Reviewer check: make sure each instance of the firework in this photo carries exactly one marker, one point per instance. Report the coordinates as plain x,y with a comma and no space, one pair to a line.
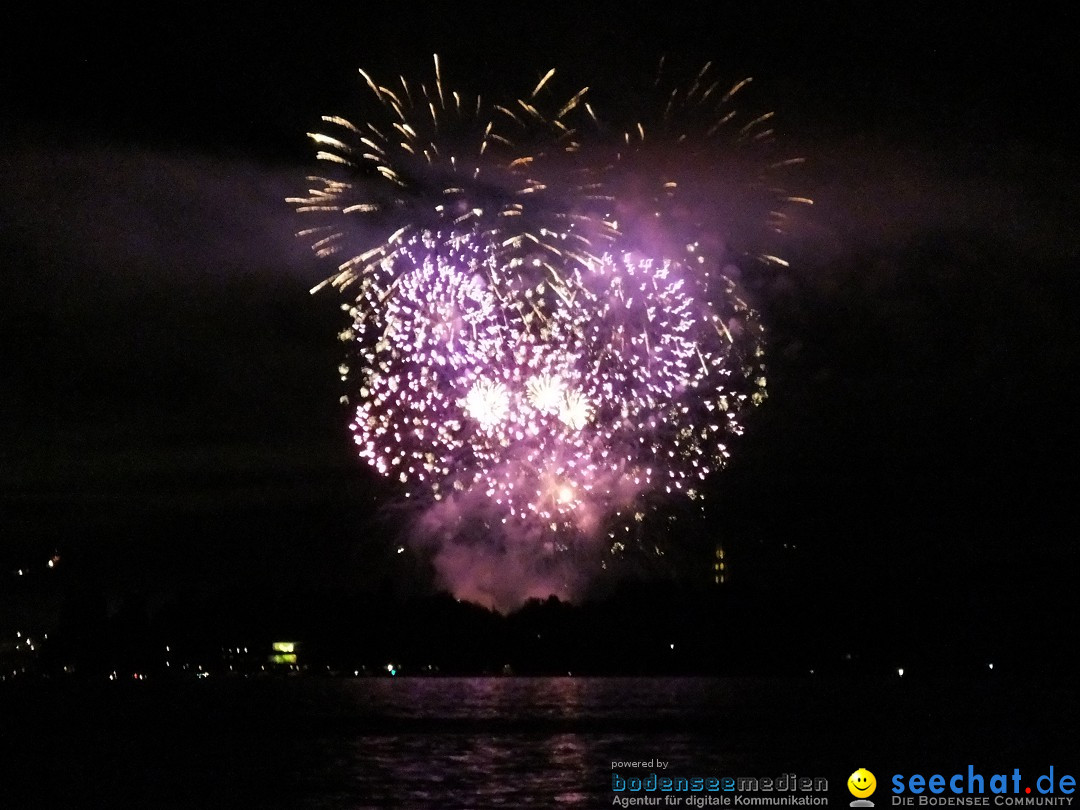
632,386
430,158
693,172
545,344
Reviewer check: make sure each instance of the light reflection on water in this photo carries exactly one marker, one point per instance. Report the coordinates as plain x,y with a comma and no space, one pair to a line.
551,742
335,743
515,742
500,770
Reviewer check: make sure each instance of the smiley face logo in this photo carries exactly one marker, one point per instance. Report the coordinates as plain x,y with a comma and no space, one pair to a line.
861,783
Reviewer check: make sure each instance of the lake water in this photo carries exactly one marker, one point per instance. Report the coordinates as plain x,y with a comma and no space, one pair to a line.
498,742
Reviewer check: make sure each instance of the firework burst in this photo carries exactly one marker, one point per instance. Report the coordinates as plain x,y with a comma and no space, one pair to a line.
545,344
430,158
626,394
691,171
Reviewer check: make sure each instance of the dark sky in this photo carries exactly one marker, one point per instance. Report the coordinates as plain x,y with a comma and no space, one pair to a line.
168,404
246,82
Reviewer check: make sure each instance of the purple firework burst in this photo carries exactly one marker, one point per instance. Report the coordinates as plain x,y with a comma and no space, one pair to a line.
567,418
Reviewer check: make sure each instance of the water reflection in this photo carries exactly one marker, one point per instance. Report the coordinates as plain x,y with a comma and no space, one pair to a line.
493,742
507,742
551,742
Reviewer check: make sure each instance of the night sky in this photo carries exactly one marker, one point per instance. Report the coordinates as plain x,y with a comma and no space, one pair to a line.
169,394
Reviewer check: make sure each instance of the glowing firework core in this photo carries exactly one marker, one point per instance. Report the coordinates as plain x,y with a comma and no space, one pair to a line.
487,403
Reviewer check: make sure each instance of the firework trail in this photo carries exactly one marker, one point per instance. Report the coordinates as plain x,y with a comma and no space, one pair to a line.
691,171
432,158
534,360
